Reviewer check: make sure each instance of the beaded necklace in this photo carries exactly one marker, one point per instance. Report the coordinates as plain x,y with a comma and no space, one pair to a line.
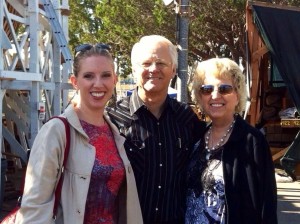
210,151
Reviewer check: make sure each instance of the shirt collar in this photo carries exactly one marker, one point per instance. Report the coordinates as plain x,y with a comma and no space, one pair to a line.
136,102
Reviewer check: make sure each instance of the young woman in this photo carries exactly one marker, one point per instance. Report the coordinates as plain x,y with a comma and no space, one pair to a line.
99,184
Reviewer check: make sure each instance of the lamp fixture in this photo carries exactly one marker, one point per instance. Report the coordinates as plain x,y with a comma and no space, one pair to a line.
167,2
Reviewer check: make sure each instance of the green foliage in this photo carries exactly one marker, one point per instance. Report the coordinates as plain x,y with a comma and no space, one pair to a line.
125,22
217,27
83,25
119,23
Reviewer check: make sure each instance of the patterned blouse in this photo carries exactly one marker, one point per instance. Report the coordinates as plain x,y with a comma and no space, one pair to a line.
206,196
107,176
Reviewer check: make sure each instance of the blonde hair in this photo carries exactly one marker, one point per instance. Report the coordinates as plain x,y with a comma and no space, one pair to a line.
220,68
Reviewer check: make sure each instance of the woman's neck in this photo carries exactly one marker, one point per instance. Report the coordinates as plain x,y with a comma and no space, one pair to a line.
93,117
218,134
219,127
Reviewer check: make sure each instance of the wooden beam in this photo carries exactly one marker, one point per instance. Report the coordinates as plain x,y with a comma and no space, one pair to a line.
259,52
279,154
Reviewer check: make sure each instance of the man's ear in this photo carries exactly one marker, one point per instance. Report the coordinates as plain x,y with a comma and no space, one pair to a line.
133,70
174,71
73,80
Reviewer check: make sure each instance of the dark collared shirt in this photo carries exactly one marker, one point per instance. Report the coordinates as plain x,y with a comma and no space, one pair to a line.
159,150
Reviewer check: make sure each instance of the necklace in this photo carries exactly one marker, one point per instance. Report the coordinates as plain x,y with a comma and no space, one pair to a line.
221,141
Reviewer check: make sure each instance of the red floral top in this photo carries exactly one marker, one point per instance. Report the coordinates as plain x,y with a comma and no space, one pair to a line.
107,176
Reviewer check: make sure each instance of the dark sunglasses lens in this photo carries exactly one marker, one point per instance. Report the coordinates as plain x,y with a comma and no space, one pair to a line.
225,89
222,89
83,47
206,89
103,46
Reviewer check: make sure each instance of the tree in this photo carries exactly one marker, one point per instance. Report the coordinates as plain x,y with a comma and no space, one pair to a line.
217,30
125,22
118,23
217,27
83,24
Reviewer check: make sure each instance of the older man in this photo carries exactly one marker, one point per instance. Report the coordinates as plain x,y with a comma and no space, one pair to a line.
160,131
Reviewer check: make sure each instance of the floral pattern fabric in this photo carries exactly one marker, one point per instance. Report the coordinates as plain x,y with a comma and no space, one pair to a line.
107,177
206,200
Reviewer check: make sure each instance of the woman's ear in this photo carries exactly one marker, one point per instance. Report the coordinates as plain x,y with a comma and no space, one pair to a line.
116,79
73,80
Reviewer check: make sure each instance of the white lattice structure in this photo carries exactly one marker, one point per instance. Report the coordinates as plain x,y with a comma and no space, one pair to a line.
35,64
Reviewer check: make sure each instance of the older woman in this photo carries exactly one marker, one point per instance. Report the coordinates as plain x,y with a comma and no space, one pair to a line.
231,178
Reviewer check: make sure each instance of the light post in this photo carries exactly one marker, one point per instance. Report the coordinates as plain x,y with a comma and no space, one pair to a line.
182,9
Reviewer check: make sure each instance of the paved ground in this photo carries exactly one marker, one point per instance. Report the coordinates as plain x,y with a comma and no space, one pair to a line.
288,202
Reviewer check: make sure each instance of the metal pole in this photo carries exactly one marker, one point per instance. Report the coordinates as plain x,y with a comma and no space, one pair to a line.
183,30
34,67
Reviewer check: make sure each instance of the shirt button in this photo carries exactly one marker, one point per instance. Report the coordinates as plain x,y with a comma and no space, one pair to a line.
159,143
130,149
160,165
156,209
159,187
157,123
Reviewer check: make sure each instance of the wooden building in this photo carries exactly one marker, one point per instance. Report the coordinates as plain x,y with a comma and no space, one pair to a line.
273,44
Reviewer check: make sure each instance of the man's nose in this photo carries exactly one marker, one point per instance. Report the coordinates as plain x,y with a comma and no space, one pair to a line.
153,66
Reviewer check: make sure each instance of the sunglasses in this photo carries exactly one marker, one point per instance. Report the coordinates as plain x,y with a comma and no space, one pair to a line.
222,89
85,47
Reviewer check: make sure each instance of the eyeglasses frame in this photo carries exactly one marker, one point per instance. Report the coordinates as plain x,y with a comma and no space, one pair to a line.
220,89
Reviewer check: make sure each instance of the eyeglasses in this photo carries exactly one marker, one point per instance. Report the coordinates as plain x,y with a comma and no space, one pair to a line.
222,89
85,47
158,64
